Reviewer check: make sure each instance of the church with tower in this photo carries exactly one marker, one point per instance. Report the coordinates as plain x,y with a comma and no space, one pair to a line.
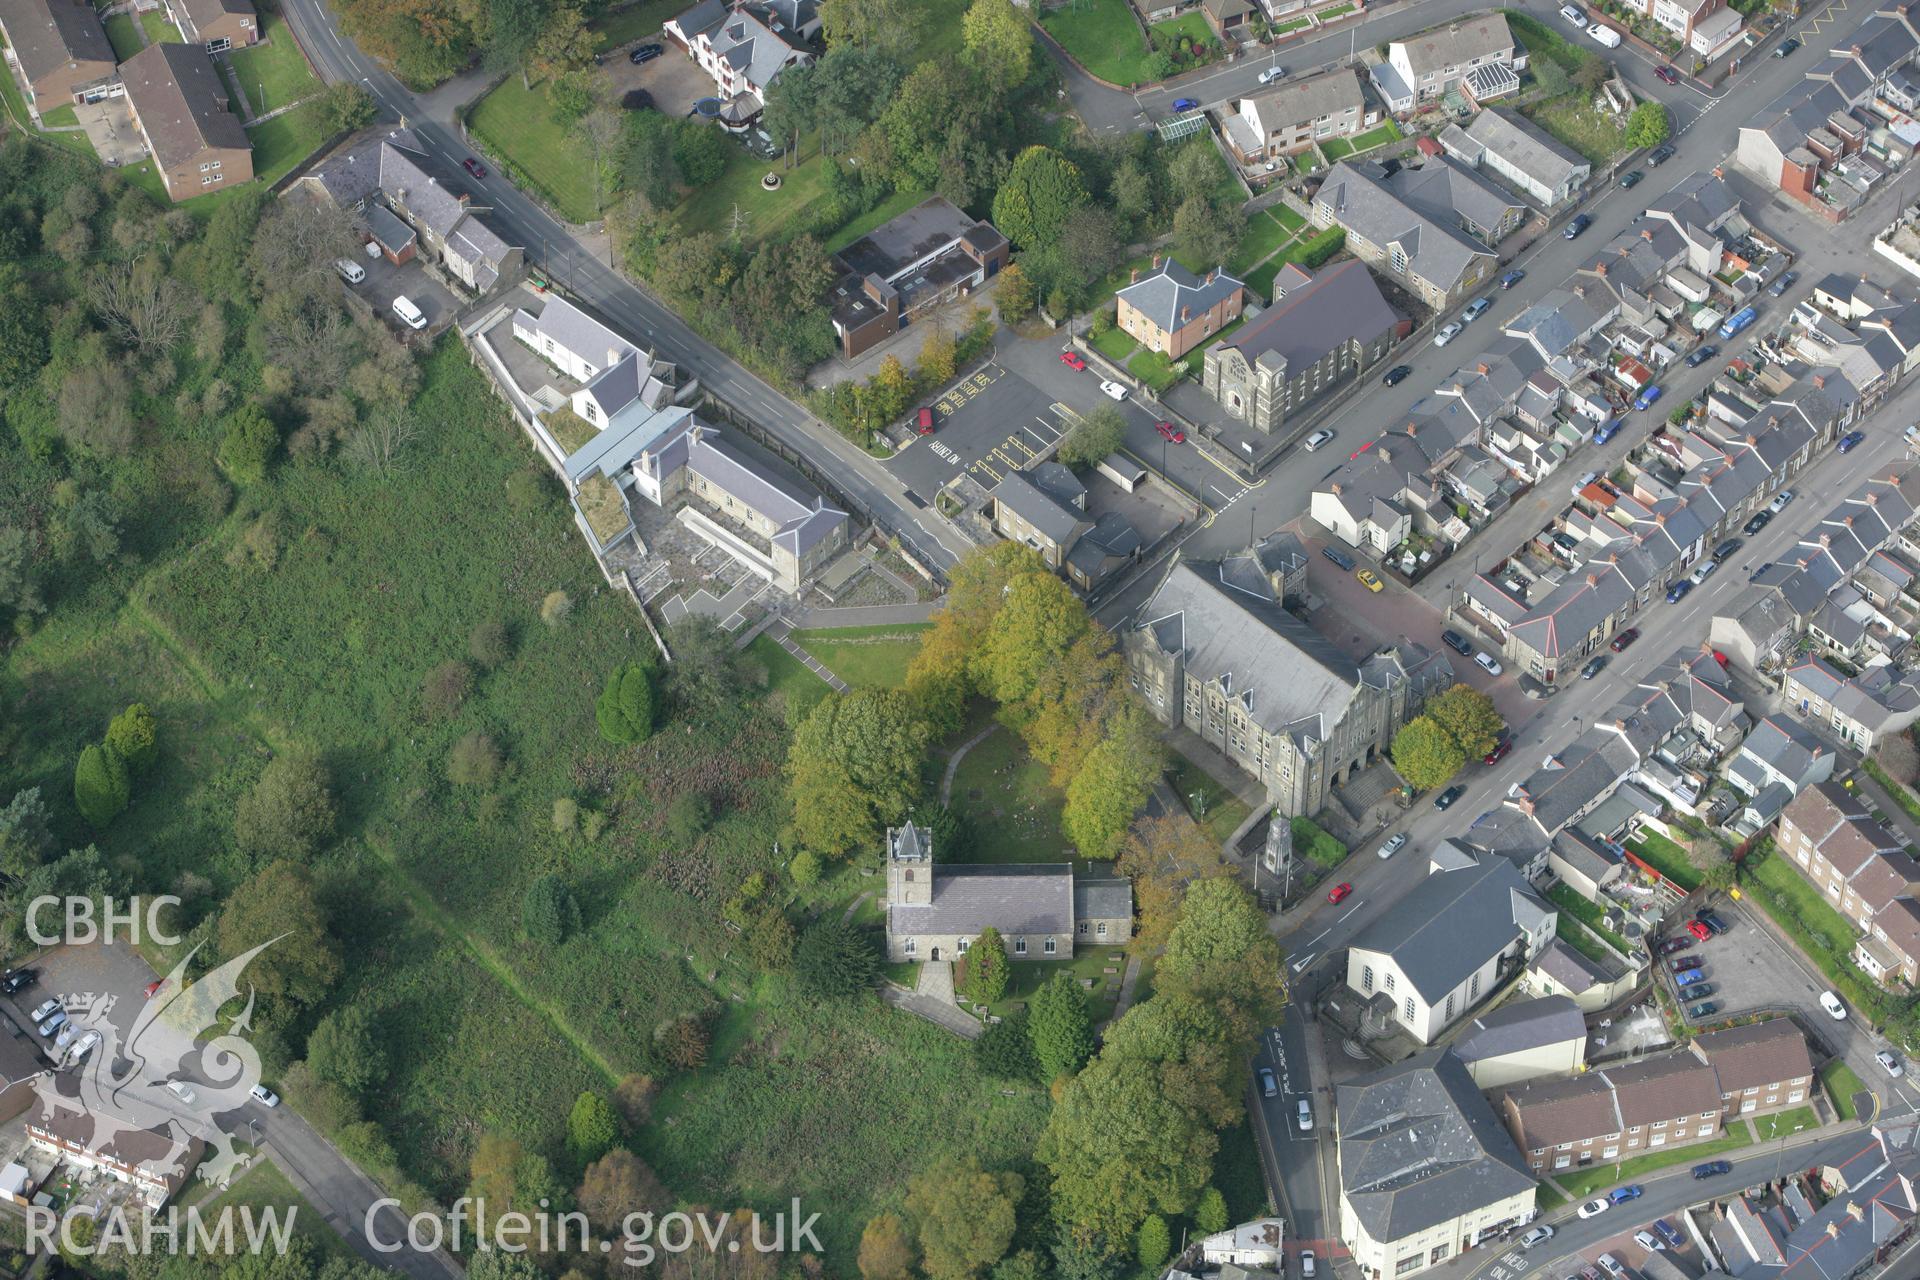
1042,910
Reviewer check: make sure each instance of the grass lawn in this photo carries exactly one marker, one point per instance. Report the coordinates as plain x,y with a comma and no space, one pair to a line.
1668,858
1014,807
1287,217
1573,121
771,215
159,30
1116,345
1265,234
786,674
1288,28
274,72
1154,369
1580,938
1547,1199
629,22
124,35
1224,811
1584,1182
1103,37
1588,914
1782,1123
60,116
285,141
516,124
1191,25
1842,1083
263,1189
865,657
1089,964
892,207
1340,148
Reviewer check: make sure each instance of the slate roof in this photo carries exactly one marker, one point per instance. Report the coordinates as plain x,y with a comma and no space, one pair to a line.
47,35
1520,1025
1419,1146
902,242
1569,968
1359,198
1109,899
1755,1055
801,523
751,47
204,13
1452,922
181,103
1300,102
1342,304
1037,507
1456,44
1613,1099
1876,1207
968,899
1527,148
1163,295
1782,745
388,231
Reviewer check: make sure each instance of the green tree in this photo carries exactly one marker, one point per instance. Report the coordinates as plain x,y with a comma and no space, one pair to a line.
100,786
1041,190
1204,232
26,837
514,28
700,151
1647,126
1111,785
549,914
1195,169
886,1249
1015,294
936,363
1061,1027
986,968
834,960
289,811
1469,717
707,671
134,737
1220,949
854,767
345,1050
625,708
998,43
277,905
247,444
1153,1243
1210,1213
345,107
1004,1051
1426,754
592,1128
1096,435
964,1215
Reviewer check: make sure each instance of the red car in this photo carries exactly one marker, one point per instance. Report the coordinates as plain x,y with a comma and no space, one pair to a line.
1666,74
1073,360
474,167
1625,638
1340,892
923,422
154,986
1170,433
1499,752
1699,930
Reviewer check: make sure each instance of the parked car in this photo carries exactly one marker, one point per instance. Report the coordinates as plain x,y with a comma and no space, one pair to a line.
18,979
1307,1262
183,1091
1756,522
45,1007
1586,478
1318,438
1512,278
644,53
1113,390
1679,964
1786,47
1668,1232
1339,892
1849,440
1831,1003
1595,665
1710,918
1648,394
1722,550
1620,1195
1456,642
1670,945
1539,1235
1607,430
1692,977
1666,74
1701,355
1170,433
923,421
1631,179
1699,930
1678,591
1499,752
1712,1169
1889,1064
1447,334
1780,501
1271,74
1702,572
1073,360
1580,223
1784,283
1305,1113
1573,13
1445,799
1701,990
1339,557
1737,322
1269,1086
67,1033
85,1045
474,167
1396,375
54,1021
1660,155
1393,845
1370,580
1475,309
1487,663
1186,104
1594,1208
1650,1242
1611,1265
1624,639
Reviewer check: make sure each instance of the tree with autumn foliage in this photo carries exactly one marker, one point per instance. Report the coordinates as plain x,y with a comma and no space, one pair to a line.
1163,855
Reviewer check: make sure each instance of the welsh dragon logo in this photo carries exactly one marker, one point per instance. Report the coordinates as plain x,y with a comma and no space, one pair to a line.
122,1086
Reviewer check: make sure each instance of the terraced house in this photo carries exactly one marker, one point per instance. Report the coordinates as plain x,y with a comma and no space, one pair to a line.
58,51
1216,652
1859,866
219,25
180,107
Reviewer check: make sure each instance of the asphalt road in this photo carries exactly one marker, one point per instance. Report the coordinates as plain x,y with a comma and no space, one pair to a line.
548,243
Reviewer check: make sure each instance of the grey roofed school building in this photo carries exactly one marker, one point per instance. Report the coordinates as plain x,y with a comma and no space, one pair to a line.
1422,1159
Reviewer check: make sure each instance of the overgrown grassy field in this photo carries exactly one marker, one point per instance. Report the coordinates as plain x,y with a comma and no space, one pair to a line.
1014,808
517,126
1104,37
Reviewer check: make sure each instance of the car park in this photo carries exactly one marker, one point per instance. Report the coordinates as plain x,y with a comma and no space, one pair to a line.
1396,375
1512,278
1712,1169
1305,1113
17,979
1648,394
1784,283
1620,1195
1073,360
1594,1208
1339,892
1499,752
1849,440
1666,74
1594,666
1631,179
474,167
1780,501
1318,438
1539,1235
1475,309
1756,522
645,53
1186,104
1369,579
1659,155
1487,664
1393,845
1625,638
1445,799
1269,1086
1831,1003
1727,548
1650,1242
1580,223
1699,930
1786,47
1889,1064
1170,433
1113,390
1701,355
1447,334
1339,557
1456,642
1678,591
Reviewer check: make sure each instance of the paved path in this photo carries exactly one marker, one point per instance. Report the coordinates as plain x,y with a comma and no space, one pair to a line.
953,762
782,635
865,615
847,916
1124,1001
934,1001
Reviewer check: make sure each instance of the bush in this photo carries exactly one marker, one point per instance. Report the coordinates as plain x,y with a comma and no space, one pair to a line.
344,1051
474,762
445,688
1320,248
134,737
833,960
689,816
625,709
555,608
1005,1051
247,445
489,645
592,1129
289,812
100,786
1316,845
549,914
804,868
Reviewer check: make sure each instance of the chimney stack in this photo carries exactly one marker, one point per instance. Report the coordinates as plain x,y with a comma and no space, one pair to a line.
1135,278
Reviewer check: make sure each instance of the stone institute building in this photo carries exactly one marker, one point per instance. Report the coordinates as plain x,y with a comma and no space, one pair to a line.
1041,909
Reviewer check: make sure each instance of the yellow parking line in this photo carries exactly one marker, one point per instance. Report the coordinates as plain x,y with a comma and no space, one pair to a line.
1021,445
982,464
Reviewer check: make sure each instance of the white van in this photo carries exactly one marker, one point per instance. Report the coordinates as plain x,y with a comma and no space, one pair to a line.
1605,35
350,271
412,315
